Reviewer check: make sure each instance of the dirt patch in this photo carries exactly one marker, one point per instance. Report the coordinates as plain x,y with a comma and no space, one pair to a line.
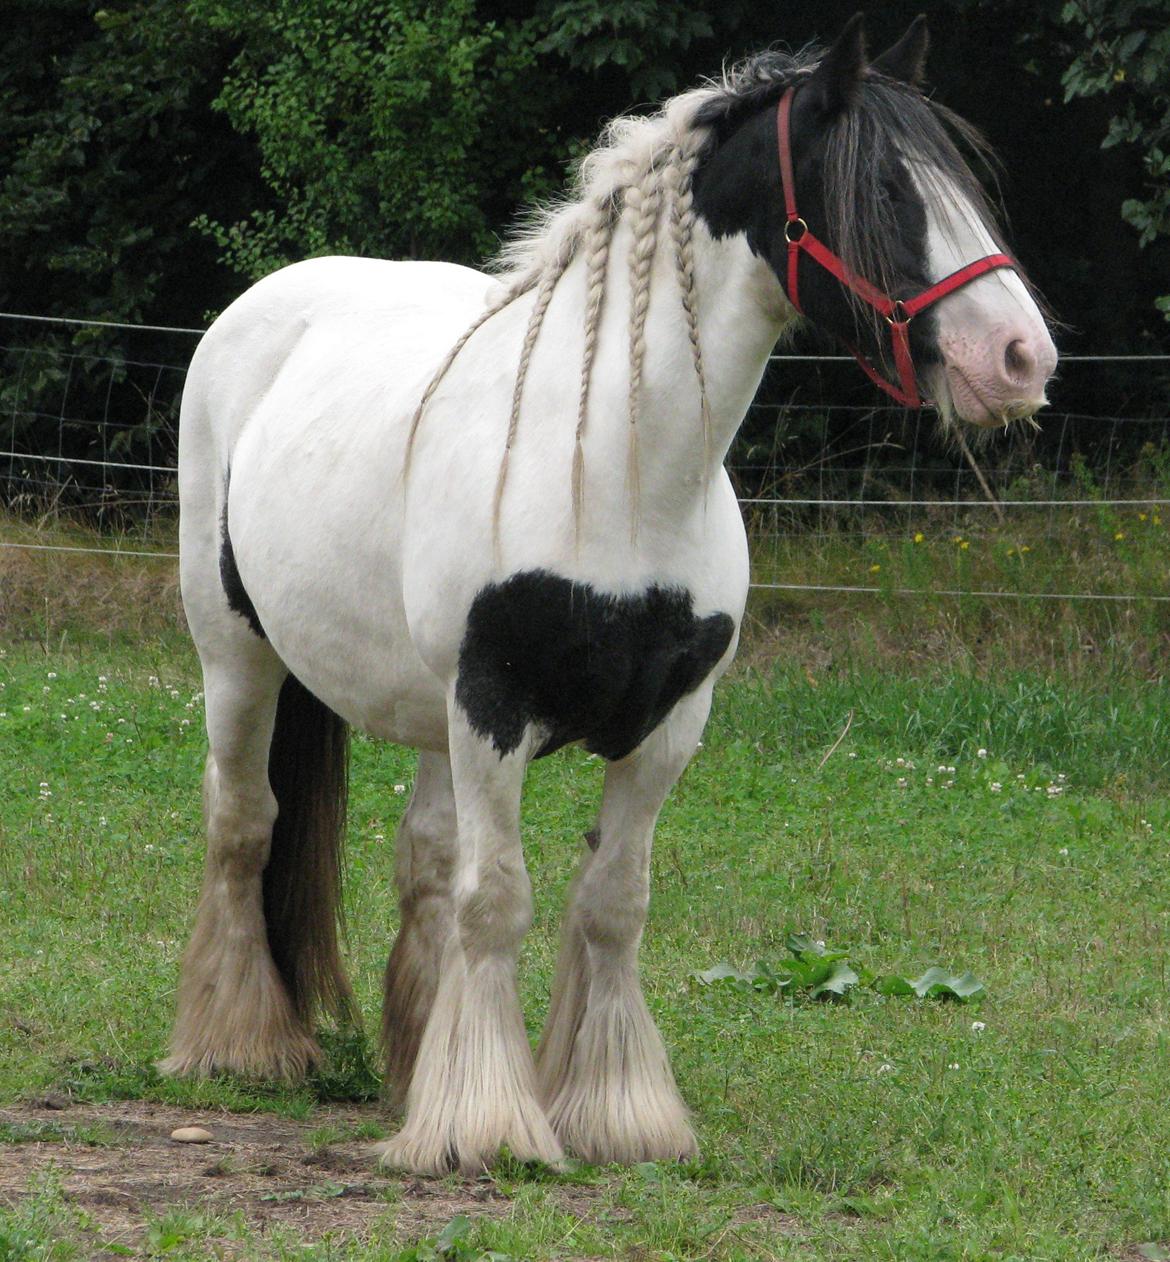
118,1164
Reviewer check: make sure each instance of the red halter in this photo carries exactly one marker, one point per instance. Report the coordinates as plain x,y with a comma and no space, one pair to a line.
898,312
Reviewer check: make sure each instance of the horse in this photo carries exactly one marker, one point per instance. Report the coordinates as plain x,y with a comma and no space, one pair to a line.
485,515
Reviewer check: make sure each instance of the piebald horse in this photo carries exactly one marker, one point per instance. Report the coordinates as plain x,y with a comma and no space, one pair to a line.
487,516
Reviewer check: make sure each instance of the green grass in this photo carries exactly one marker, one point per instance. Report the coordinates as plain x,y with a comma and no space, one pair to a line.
886,1128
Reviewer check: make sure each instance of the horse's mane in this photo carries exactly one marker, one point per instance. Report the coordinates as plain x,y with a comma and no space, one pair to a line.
645,164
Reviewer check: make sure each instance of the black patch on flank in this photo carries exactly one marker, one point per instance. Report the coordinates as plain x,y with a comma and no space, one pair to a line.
581,665
229,575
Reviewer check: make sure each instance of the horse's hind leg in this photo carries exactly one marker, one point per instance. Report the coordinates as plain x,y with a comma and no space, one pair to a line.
235,1012
604,1075
473,1087
424,860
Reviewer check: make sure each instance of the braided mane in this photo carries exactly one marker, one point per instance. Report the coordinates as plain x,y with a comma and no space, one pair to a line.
640,166
642,169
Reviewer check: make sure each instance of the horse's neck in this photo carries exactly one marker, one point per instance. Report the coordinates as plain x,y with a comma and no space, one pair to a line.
741,312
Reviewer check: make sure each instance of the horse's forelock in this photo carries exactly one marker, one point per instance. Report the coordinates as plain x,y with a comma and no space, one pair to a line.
893,117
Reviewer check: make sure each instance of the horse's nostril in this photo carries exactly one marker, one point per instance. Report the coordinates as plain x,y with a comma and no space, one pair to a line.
1019,360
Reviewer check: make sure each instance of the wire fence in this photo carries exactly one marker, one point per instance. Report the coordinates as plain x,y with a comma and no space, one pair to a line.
89,429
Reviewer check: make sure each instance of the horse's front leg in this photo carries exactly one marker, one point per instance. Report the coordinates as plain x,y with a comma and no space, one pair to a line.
473,1088
603,1069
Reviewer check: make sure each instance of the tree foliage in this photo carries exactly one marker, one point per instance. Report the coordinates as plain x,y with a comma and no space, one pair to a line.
108,150
384,127
1126,54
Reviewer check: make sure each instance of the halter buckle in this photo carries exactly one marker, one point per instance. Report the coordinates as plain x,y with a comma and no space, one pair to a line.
898,313
794,230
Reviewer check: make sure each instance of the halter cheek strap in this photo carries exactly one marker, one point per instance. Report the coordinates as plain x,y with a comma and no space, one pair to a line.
898,312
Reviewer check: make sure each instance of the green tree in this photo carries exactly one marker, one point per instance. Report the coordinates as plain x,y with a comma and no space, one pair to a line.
1127,55
385,127
108,150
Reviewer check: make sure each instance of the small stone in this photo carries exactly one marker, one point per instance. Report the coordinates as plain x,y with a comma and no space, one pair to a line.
191,1135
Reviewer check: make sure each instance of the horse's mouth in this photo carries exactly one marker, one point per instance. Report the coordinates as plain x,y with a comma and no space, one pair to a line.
972,405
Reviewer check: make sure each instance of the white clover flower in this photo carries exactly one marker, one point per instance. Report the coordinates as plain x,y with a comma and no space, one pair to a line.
953,1065
996,787
900,761
981,753
885,1067
978,1026
51,675
400,788
902,782
1063,850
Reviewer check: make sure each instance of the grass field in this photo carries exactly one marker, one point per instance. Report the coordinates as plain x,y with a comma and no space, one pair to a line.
1007,817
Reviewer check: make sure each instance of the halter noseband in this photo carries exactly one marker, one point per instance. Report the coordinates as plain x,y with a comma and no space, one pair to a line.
898,312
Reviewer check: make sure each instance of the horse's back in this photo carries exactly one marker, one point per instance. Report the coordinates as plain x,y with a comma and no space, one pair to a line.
329,311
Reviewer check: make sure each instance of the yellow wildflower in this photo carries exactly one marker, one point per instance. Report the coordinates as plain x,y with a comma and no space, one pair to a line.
919,536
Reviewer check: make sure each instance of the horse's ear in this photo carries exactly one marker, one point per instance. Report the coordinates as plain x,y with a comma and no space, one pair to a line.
835,82
906,60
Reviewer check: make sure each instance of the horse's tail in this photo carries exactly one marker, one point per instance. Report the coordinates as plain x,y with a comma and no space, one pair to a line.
308,766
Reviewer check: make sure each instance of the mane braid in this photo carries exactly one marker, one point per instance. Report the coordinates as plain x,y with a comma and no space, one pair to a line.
596,245
544,293
679,177
643,200
498,304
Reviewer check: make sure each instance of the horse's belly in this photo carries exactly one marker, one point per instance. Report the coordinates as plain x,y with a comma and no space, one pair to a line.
315,527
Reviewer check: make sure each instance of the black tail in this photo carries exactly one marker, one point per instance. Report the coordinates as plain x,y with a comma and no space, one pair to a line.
308,768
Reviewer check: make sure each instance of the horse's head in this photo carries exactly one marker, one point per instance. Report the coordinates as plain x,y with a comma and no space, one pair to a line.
854,192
